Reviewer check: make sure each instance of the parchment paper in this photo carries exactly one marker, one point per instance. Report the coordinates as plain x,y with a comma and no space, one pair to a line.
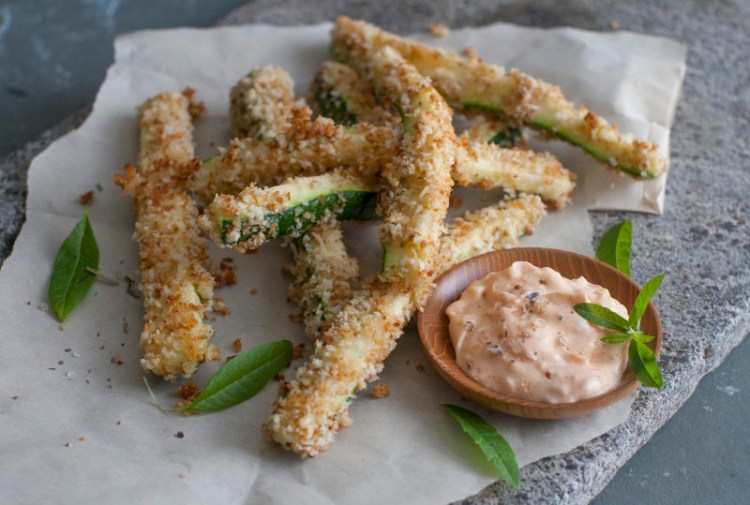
76,425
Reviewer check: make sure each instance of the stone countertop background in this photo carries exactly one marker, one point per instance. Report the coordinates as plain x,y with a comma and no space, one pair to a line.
53,56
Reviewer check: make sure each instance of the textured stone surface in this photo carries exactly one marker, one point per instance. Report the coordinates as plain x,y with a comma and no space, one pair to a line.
702,241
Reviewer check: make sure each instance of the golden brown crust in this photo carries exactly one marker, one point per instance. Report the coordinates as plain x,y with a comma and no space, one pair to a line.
176,285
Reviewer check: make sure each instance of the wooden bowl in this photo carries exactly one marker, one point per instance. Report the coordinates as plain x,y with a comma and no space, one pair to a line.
433,326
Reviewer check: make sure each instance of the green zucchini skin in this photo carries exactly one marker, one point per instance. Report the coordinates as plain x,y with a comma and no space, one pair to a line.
507,138
346,205
334,107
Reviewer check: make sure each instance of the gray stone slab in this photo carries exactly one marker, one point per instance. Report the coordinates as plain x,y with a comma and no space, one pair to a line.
702,241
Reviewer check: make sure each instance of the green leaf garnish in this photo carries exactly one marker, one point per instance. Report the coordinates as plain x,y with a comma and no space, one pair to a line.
495,448
242,377
647,292
602,316
616,338
641,358
614,247
640,337
643,363
71,278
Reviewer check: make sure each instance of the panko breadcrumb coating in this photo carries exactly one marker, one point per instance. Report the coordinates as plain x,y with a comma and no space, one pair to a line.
260,103
176,285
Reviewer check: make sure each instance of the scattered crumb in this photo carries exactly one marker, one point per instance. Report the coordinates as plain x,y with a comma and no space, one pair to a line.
298,351
615,25
283,388
381,391
220,307
99,187
439,30
118,423
279,377
124,326
237,345
226,274
470,52
195,108
189,391
420,367
86,198
408,361
455,201
61,362
28,303
15,397
253,292
63,327
81,438
184,475
68,444
179,434
230,357
117,360
132,288
44,307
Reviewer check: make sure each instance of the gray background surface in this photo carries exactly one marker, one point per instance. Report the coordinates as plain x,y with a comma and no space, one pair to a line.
53,56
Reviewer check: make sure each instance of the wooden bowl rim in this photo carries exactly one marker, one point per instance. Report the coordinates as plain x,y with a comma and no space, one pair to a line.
558,410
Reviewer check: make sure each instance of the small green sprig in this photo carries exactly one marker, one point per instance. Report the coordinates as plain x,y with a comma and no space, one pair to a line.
641,358
614,249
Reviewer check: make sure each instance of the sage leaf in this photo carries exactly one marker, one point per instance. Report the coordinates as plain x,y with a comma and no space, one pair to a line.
71,279
643,363
242,377
602,316
639,307
616,338
495,448
614,247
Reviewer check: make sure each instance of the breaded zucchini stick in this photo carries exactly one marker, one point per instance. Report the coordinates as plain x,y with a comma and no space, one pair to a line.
310,147
350,353
289,209
177,287
489,166
323,276
495,227
261,104
470,83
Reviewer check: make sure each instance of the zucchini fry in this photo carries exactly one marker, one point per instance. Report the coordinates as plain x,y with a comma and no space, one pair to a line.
469,83
495,227
310,147
259,214
177,287
350,353
261,104
489,166
323,276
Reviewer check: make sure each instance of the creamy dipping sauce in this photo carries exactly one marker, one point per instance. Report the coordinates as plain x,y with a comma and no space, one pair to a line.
515,332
